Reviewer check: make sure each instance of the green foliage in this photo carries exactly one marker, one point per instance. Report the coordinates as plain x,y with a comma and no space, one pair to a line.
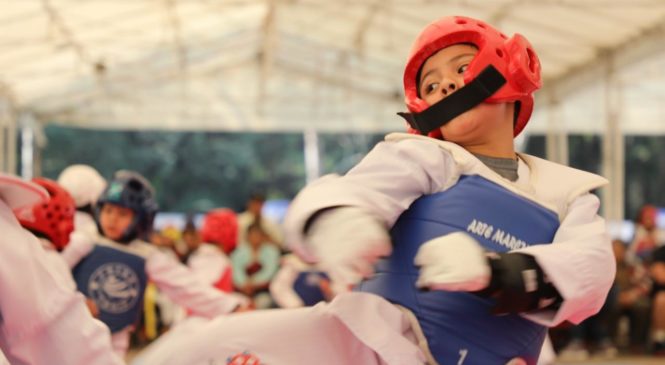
341,151
197,171
645,161
191,171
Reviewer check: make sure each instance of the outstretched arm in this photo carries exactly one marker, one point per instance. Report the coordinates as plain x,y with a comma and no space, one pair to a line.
341,222
178,283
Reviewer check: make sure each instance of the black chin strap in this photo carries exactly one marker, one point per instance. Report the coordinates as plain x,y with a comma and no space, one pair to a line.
482,87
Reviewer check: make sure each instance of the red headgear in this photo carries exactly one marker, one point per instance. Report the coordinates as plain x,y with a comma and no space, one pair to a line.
220,226
513,57
53,219
648,215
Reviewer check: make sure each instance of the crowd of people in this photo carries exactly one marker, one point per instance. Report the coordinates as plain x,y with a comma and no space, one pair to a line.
631,319
443,245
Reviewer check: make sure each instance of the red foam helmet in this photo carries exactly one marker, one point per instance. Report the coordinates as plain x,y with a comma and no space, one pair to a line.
53,219
513,57
220,226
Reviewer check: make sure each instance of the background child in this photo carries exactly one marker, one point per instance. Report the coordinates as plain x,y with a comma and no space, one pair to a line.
125,212
52,222
253,213
255,262
209,259
657,273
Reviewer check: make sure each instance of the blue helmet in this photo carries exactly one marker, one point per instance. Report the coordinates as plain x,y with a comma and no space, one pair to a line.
131,190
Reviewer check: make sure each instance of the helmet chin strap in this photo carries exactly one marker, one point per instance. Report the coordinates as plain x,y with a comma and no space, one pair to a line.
482,87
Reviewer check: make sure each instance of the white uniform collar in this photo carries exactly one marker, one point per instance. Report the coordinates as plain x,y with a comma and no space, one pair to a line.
547,183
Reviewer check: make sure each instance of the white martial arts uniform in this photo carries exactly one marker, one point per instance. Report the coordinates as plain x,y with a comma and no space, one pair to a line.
393,175
44,321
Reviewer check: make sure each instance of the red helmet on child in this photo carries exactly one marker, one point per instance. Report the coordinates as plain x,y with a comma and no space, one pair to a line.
54,219
220,226
514,58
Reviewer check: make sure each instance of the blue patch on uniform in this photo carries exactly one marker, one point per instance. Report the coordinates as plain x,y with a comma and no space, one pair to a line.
308,287
457,324
115,280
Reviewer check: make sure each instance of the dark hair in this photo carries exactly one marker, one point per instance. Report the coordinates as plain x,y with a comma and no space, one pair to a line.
255,225
258,196
189,227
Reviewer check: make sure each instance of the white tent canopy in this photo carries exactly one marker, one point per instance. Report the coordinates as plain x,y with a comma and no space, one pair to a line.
290,65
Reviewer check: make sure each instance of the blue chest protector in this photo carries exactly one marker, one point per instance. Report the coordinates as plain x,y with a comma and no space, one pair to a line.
115,280
459,326
308,287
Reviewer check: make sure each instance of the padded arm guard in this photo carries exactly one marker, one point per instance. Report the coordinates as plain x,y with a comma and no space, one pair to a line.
519,285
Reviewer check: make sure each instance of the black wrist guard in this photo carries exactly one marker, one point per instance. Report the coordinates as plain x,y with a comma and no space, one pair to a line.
519,285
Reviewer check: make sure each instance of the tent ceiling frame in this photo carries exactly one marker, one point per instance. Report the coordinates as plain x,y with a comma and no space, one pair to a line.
650,42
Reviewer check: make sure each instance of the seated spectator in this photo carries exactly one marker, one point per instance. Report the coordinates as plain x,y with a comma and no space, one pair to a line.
657,273
254,214
592,336
173,239
255,262
647,235
632,300
191,237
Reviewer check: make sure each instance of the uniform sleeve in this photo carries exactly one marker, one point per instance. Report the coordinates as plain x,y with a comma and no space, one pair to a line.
44,321
181,286
384,184
208,266
579,263
281,287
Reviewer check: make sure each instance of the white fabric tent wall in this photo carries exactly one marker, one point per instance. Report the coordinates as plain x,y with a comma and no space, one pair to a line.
316,65
268,65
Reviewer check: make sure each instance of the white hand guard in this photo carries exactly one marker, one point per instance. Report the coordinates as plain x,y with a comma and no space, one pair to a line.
347,242
79,246
454,262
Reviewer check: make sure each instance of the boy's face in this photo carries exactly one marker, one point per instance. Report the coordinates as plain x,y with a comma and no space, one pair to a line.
443,74
115,220
255,237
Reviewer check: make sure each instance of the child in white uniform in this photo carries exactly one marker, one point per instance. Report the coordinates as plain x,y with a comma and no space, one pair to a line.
52,222
44,321
125,213
448,229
